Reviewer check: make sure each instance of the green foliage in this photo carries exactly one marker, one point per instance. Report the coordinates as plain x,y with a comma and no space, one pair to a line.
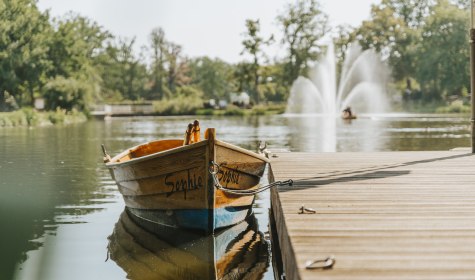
75,43
178,69
32,117
303,25
186,101
74,80
233,110
58,116
212,76
269,109
206,112
425,43
388,33
123,75
158,46
345,36
253,44
67,93
271,87
443,55
23,49
74,63
28,117
454,107
243,76
12,119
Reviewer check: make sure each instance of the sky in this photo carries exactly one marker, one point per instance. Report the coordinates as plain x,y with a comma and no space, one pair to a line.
211,28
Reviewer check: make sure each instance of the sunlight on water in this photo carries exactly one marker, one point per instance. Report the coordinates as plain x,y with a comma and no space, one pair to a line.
62,206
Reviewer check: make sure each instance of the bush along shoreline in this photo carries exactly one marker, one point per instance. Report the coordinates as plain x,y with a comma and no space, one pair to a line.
28,117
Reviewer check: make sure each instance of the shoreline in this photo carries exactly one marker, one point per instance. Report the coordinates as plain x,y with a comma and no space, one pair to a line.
31,118
28,117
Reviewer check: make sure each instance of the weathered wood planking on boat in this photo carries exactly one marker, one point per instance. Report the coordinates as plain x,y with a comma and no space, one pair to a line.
169,183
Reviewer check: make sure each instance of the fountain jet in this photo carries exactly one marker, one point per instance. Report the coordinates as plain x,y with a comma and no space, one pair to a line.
362,85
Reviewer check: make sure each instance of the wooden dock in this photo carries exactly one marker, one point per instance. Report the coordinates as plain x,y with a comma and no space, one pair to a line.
385,215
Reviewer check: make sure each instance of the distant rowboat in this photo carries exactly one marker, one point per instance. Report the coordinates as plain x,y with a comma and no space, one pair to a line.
346,117
171,184
347,114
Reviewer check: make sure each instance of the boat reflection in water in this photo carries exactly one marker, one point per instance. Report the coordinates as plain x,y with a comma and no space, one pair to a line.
146,250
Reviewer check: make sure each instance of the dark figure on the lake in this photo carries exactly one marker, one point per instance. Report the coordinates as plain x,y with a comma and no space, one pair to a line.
348,114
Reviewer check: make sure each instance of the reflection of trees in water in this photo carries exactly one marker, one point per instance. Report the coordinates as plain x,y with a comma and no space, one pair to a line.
45,173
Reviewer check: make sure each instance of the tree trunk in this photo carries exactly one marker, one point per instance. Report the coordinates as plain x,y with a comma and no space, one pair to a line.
32,97
256,83
3,105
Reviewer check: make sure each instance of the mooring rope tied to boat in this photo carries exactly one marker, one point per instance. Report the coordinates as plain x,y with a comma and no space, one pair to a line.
214,170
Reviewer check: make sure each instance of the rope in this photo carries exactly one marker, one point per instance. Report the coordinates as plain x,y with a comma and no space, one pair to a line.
214,170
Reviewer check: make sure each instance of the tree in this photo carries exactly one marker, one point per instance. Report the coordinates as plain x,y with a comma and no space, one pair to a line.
124,75
270,86
253,44
389,34
177,67
74,47
344,37
443,56
244,76
23,49
75,44
133,72
303,24
412,12
211,76
462,4
158,47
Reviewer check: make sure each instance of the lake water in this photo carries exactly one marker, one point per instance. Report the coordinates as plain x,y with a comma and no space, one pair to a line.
63,218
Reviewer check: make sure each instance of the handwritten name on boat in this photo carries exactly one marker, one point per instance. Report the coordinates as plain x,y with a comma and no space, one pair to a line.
228,176
180,183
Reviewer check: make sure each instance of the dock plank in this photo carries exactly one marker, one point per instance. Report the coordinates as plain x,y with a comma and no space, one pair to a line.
382,215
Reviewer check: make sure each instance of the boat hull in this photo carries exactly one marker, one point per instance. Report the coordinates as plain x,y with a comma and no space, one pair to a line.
167,183
198,219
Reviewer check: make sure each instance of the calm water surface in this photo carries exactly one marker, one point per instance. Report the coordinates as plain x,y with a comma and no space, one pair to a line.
63,218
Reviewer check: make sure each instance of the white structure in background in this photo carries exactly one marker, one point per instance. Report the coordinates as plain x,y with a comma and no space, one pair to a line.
240,99
222,104
123,109
39,104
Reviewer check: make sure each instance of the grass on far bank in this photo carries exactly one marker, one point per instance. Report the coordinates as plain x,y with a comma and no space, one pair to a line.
193,105
232,110
440,107
28,117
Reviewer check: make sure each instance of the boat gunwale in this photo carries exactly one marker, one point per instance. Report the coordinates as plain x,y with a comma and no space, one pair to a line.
113,163
242,150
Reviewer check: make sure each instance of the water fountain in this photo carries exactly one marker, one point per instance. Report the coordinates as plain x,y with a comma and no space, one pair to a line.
315,103
362,85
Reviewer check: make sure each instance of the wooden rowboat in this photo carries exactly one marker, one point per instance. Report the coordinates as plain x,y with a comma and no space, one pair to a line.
147,250
347,114
169,183
346,117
